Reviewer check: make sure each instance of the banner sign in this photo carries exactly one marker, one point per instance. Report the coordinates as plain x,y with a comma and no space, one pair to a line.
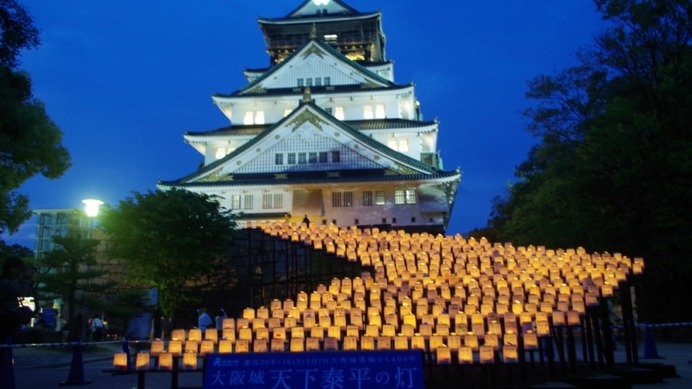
316,370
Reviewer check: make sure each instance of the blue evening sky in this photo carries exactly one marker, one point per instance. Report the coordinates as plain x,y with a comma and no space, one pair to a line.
125,79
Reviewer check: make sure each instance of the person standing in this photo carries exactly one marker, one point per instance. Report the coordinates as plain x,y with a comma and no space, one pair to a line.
219,322
204,320
17,281
98,329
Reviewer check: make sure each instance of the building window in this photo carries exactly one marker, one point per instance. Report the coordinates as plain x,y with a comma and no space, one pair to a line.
367,112
404,196
329,110
278,159
367,198
235,202
301,83
379,111
336,156
267,201
318,81
327,81
308,82
247,118
302,158
259,117
379,197
339,113
348,199
248,201
324,157
312,157
291,158
336,199
400,145
278,200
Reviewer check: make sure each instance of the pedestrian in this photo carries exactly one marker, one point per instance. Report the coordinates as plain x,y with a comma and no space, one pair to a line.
17,281
98,329
219,321
204,320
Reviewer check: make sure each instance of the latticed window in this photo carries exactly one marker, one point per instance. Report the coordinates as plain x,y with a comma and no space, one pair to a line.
235,202
267,201
302,158
348,199
336,199
291,158
248,201
379,197
336,156
367,198
312,157
278,200
405,196
279,159
324,157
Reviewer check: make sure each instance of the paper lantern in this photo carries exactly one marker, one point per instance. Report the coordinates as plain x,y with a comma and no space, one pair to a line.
192,346
350,343
443,356
242,346
510,354
471,340
206,347
175,347
178,334
259,346
558,318
228,323
157,347
277,345
530,341
543,328
120,361
190,361
492,340
165,361
367,343
486,355
573,318
211,334
225,346
331,344
142,361
312,344
465,355
297,344
195,334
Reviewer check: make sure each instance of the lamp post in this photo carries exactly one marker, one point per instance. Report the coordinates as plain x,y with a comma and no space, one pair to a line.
91,207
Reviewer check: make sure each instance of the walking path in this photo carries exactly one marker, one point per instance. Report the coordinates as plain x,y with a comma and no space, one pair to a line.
57,360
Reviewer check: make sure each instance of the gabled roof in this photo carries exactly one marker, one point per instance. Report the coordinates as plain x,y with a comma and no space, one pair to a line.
254,129
316,47
308,13
308,111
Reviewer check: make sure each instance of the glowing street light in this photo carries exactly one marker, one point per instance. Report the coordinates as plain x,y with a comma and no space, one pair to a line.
91,207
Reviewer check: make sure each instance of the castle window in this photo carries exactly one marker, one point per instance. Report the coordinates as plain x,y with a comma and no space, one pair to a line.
278,159
404,196
339,113
302,158
379,111
336,156
342,199
248,201
291,158
327,81
367,197
379,197
308,82
259,117
301,83
336,199
267,201
318,81
367,112
247,118
312,157
278,200
235,202
324,157
348,199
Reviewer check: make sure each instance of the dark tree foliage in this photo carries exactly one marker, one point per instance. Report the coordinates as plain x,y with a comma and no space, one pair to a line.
71,272
30,143
177,241
612,171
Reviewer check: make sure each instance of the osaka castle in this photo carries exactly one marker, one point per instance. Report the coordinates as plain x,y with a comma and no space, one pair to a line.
324,132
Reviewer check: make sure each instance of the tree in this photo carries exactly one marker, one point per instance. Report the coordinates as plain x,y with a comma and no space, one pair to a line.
70,272
177,241
30,143
612,170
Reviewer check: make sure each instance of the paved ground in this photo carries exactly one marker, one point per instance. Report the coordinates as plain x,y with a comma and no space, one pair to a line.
46,367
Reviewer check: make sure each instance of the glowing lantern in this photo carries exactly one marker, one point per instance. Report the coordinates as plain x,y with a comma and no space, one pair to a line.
465,355
207,347
510,354
157,347
225,346
120,361
486,355
190,361
142,361
165,361
175,347
443,355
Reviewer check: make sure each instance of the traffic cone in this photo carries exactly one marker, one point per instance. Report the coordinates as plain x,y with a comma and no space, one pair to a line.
650,351
76,375
7,367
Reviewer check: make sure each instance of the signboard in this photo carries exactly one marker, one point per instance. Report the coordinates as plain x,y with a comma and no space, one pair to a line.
316,370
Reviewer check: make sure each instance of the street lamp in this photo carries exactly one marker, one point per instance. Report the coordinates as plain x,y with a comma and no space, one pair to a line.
91,207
